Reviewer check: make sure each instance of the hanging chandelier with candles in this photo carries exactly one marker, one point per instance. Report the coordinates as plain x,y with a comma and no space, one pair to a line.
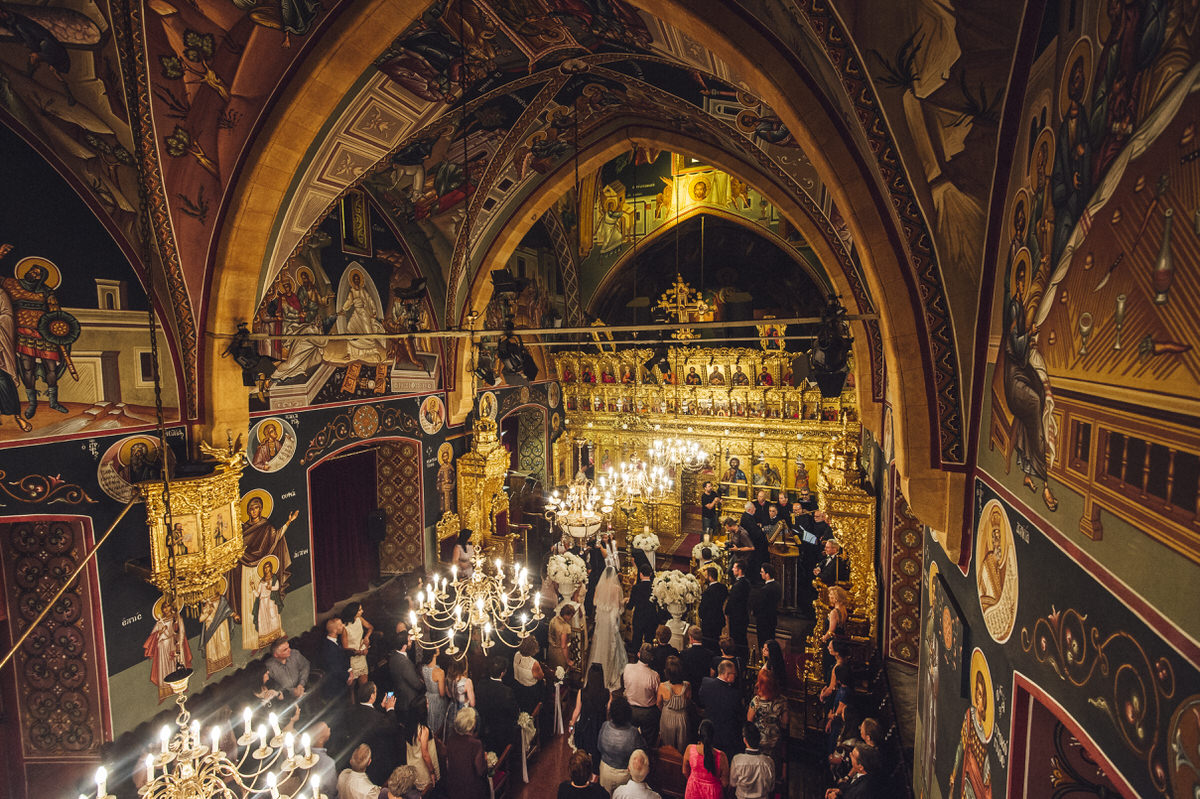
637,480
482,605
677,452
273,764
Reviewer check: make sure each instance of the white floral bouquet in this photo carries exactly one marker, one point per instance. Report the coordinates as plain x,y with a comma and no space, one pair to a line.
491,760
647,542
674,587
560,674
698,551
528,730
567,568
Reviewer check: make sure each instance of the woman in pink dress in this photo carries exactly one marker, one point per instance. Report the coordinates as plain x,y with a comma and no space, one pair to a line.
706,767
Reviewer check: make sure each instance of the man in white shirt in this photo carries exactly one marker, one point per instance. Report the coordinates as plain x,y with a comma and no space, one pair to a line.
641,689
353,783
752,774
636,788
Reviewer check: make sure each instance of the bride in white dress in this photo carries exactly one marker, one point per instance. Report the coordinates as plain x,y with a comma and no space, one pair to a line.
608,648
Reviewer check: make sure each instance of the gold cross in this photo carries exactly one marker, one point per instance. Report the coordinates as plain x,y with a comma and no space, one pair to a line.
684,305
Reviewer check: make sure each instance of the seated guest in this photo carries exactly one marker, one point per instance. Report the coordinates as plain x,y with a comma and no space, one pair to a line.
353,782
662,649
706,766
751,774
636,788
618,740
528,675
468,777
288,669
769,713
498,709
833,568
723,702
675,706
696,658
579,784
268,692
863,780
403,784
641,690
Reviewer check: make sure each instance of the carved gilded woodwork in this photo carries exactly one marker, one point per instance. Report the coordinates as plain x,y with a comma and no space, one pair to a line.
481,496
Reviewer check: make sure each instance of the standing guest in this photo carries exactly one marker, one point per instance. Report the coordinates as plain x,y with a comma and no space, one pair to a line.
375,726
839,615
768,710
645,619
737,610
325,769
696,658
835,721
460,689
784,507
773,661
674,706
403,784
766,610
336,662
356,639
591,709
561,626
705,766
636,788
497,707
528,675
464,553
421,750
641,689
837,652
712,607
709,501
723,701
773,528
434,677
751,774
618,740
662,649
407,684
832,568
728,651
353,782
579,784
761,503
287,668
468,778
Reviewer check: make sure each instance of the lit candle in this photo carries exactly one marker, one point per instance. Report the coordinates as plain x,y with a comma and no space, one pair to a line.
215,736
487,631
306,745
149,768
315,782
289,743
101,782
273,786
454,574
273,720
164,736
458,614
412,618
537,601
524,621
504,600
246,720
195,739
262,736
443,585
420,599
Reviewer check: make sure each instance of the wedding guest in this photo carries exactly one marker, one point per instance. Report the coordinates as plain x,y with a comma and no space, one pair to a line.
862,782
674,706
406,682
356,639
591,710
768,711
579,784
421,750
288,668
497,708
353,782
705,766
645,618
835,720
468,778
833,568
662,649
460,689
766,609
403,784
712,607
561,627
434,677
751,773
636,788
528,675
728,651
773,661
618,740
722,700
696,658
336,662
737,610
641,690
464,552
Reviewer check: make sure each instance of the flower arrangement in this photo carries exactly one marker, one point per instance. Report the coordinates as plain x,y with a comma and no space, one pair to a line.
675,587
560,674
491,760
647,542
567,568
697,551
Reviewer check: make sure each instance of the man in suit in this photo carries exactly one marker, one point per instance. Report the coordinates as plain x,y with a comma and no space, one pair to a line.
497,708
761,503
737,610
335,661
723,703
784,507
712,608
863,780
594,559
766,611
696,657
377,727
407,684
645,620
833,568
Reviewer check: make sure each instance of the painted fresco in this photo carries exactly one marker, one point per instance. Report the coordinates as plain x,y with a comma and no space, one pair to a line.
74,336
1115,671
354,279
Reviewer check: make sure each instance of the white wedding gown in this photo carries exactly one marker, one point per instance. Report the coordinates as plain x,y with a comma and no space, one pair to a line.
608,648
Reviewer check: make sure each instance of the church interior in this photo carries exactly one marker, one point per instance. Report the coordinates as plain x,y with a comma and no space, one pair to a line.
439,310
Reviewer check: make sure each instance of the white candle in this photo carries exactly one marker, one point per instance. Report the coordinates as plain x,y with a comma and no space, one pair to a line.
262,735
289,742
454,573
214,735
164,736
101,782
273,720
246,720
195,739
306,745
149,768
315,782
272,786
